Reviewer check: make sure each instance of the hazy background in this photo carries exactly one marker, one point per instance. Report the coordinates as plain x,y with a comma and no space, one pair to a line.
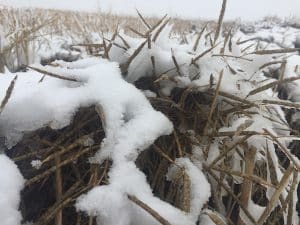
244,9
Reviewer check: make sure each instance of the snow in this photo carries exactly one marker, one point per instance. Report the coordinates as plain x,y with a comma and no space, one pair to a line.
10,186
200,188
131,124
291,70
284,37
102,199
254,210
53,102
205,218
107,201
36,164
238,84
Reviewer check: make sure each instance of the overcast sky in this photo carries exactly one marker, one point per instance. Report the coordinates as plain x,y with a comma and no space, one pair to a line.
244,9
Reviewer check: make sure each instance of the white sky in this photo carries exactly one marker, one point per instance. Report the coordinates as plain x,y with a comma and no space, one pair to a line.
244,9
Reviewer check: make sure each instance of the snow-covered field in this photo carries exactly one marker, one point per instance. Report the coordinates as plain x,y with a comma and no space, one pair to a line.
193,9
250,73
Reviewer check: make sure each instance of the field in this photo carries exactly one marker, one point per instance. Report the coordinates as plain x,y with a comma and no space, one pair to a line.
114,120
